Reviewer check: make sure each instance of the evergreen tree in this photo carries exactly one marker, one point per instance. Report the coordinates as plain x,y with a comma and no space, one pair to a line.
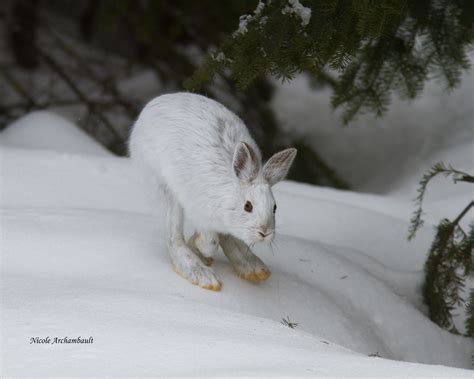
450,258
470,315
364,49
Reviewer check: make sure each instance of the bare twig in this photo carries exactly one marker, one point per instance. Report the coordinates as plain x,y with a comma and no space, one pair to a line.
463,213
81,95
286,321
108,85
464,178
17,86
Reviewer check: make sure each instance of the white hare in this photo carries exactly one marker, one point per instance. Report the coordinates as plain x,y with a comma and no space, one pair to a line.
211,170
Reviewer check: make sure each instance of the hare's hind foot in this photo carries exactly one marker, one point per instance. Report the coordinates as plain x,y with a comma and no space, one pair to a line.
189,266
246,264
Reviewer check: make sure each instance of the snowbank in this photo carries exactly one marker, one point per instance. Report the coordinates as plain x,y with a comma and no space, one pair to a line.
83,254
48,131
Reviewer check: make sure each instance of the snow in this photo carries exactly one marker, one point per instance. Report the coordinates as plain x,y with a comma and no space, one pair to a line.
388,156
295,7
385,155
246,18
219,57
83,254
45,130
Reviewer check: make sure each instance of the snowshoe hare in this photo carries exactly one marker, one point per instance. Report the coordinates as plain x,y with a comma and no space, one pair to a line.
210,167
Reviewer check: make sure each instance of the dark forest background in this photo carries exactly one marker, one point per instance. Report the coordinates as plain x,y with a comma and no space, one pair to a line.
83,57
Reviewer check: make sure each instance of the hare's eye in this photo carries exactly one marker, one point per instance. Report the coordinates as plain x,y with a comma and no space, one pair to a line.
248,207
274,208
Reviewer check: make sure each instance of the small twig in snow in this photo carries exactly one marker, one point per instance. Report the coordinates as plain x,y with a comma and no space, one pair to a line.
286,321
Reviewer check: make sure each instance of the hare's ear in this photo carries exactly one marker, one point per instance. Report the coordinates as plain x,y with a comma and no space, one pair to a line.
278,165
246,163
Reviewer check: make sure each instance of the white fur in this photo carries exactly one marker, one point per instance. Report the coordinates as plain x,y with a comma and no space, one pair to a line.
205,158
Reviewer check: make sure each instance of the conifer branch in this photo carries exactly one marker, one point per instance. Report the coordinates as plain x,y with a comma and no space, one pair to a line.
450,258
417,221
376,51
469,322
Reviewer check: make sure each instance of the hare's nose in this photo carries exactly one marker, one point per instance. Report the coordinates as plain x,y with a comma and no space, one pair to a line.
264,231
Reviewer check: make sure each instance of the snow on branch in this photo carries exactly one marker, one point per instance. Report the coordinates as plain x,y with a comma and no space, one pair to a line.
246,18
296,8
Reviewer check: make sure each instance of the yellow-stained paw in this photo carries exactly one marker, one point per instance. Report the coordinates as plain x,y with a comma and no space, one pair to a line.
256,276
212,287
213,284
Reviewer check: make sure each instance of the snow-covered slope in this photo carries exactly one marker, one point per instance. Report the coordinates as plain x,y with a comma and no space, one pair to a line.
83,254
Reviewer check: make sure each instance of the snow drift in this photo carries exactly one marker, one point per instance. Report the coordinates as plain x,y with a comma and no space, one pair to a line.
83,254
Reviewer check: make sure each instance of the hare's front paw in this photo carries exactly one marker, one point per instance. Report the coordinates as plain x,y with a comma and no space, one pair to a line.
246,264
188,265
254,270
